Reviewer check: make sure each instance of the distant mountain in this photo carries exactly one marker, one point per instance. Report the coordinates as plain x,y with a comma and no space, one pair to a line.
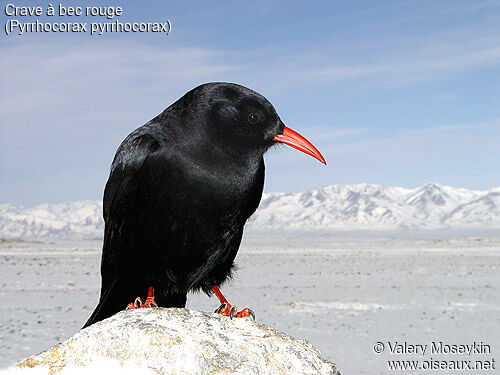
375,207
331,208
65,221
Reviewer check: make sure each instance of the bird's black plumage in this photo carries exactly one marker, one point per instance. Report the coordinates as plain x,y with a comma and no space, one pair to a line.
180,190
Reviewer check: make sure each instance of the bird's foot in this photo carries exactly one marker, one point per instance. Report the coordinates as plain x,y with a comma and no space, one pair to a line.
227,309
150,301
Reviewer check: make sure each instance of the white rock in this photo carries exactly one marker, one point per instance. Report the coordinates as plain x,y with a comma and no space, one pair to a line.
181,341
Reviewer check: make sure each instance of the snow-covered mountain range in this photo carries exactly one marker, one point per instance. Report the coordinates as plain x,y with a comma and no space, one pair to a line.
358,207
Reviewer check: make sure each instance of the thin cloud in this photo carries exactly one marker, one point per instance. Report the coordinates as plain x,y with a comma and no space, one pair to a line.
428,66
82,73
329,133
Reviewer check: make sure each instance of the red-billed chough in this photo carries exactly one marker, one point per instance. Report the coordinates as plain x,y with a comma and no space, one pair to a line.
180,190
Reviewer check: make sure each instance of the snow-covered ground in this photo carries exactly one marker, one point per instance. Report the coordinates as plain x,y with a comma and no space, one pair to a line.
343,297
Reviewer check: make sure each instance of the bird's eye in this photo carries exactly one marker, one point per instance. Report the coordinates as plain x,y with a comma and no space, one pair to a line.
253,118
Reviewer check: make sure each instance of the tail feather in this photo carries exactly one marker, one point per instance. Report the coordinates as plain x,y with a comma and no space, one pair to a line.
102,310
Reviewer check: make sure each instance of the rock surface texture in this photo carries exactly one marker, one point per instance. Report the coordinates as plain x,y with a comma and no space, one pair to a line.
181,341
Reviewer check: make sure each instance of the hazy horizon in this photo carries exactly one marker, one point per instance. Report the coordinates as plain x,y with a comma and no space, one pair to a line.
289,192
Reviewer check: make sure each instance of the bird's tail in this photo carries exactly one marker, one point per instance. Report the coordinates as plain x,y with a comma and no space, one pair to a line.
115,297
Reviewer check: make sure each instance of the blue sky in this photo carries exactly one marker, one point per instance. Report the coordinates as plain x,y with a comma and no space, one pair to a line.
391,92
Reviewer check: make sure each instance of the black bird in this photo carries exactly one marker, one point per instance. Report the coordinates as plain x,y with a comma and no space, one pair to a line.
180,190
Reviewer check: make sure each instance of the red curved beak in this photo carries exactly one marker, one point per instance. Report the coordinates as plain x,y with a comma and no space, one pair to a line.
294,139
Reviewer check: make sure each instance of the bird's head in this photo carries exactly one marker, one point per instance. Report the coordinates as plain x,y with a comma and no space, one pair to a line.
244,120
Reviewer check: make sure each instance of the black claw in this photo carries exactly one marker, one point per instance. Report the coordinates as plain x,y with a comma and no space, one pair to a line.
218,309
252,314
232,311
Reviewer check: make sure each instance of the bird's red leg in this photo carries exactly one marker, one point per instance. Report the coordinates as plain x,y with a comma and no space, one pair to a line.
150,301
227,309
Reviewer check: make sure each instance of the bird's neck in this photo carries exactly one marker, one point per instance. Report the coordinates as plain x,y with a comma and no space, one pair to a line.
219,160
